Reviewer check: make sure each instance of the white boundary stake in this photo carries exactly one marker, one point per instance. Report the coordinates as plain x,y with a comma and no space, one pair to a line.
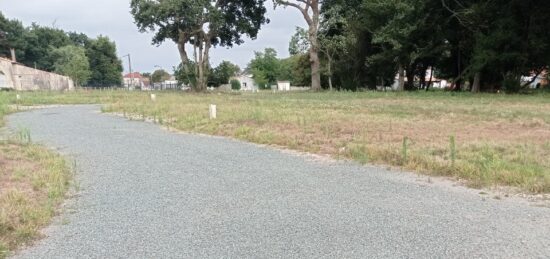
213,111
153,97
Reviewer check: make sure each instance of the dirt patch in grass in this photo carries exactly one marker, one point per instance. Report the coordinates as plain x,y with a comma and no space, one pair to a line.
33,181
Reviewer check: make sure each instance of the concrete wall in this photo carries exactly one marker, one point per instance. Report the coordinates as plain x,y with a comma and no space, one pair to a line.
21,78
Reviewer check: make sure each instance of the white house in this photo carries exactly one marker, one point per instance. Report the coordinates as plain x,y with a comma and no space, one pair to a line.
247,82
283,85
133,80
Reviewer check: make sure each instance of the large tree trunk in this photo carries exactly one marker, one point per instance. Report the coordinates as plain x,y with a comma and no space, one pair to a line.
311,11
183,53
409,86
314,59
329,73
432,71
202,65
476,86
401,80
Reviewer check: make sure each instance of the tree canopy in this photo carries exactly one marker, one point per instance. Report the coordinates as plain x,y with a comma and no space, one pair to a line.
223,72
266,68
54,50
105,65
199,25
160,76
72,62
477,45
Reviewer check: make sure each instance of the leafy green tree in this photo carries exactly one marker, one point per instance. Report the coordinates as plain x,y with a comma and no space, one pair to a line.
201,25
12,36
265,67
105,65
41,41
160,76
509,39
235,85
299,43
350,67
79,39
331,44
296,69
186,73
71,61
223,72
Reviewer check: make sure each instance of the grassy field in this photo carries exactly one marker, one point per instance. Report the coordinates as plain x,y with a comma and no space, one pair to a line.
33,181
485,140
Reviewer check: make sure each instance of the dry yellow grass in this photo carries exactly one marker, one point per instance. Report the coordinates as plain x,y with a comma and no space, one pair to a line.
33,182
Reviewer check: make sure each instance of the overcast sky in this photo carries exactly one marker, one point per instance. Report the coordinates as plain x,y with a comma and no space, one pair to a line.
112,18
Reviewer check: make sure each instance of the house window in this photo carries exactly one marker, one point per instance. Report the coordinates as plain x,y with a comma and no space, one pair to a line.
244,85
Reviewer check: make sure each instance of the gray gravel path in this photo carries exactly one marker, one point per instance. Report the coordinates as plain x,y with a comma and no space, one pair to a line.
149,193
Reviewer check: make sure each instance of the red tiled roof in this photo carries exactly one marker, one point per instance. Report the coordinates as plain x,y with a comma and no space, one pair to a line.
133,75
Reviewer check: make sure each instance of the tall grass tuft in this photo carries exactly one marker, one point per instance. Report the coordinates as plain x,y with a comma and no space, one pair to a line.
404,150
24,136
452,146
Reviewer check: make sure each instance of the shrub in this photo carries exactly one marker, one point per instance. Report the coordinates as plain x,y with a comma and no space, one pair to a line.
511,85
235,84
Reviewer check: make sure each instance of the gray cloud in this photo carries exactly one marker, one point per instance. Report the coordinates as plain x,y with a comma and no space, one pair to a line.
112,18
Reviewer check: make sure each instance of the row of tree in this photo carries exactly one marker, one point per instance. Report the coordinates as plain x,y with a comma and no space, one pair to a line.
86,60
478,45
266,69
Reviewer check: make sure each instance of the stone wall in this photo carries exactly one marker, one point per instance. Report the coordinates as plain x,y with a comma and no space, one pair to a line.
21,78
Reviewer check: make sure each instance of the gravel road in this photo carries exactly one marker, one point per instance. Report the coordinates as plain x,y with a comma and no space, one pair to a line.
149,193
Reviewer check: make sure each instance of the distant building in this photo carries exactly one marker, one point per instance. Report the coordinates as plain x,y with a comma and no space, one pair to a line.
537,81
247,82
170,84
283,85
134,80
146,83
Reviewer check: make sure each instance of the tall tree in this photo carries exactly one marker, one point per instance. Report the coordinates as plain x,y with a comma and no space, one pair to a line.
160,76
299,42
330,43
40,43
201,25
72,61
505,40
223,72
296,69
265,67
310,10
105,65
12,36
79,39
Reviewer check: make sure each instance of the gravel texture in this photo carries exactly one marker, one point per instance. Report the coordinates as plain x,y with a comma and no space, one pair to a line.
149,193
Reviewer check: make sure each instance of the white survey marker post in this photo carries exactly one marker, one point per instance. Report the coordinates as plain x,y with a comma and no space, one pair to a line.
213,111
153,97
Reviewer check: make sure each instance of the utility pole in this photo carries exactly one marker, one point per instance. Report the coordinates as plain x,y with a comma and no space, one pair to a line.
130,69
